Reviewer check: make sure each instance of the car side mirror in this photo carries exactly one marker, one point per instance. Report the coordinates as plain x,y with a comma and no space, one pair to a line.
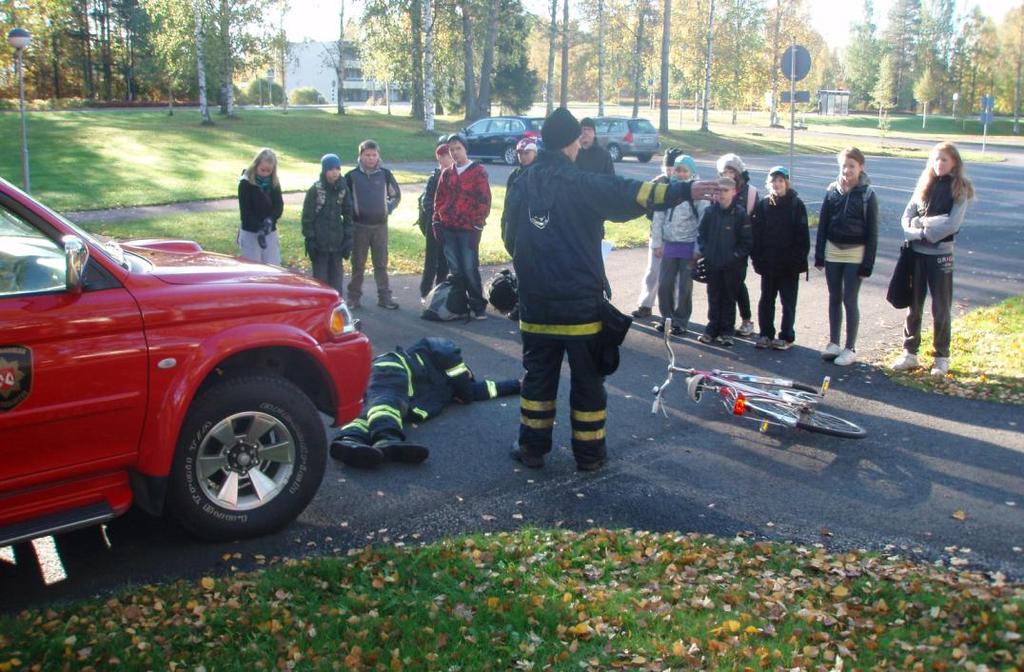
76,255
467,131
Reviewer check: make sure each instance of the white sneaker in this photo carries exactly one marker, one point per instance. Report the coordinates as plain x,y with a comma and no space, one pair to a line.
830,352
746,328
846,357
940,367
906,362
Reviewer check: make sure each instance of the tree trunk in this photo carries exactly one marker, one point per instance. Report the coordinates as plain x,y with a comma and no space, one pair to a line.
55,63
170,100
549,87
469,83
773,66
636,58
1016,88
284,60
428,66
87,73
483,102
105,51
341,59
204,108
666,27
600,57
707,66
416,22
563,97
228,75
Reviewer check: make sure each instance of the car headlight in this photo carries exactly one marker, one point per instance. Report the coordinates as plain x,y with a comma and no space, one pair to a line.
341,321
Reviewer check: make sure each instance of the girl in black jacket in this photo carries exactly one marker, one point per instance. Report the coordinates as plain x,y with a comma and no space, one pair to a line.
260,206
781,243
845,248
435,266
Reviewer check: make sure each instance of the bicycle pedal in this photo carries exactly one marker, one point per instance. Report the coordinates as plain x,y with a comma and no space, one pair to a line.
764,426
825,384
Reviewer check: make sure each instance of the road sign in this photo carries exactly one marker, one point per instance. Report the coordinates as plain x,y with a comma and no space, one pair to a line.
987,102
799,96
795,63
985,117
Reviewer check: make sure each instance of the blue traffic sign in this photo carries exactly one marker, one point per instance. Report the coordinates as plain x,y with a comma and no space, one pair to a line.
987,102
985,117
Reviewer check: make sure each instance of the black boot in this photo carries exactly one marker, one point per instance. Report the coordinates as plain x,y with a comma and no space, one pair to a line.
356,453
402,451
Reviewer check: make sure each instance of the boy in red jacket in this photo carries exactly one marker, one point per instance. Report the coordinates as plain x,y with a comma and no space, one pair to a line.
461,206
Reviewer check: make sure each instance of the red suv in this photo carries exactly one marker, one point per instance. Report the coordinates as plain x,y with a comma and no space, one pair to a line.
152,372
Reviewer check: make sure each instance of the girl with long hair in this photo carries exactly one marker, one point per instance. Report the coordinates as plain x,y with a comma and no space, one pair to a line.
930,222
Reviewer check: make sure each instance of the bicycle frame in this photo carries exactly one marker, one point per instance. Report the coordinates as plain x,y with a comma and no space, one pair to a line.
743,394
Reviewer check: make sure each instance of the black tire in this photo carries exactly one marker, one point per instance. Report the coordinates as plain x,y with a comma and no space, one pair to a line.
644,158
615,152
817,421
804,387
510,156
259,423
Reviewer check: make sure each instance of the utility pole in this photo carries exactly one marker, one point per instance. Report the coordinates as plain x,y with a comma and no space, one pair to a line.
707,67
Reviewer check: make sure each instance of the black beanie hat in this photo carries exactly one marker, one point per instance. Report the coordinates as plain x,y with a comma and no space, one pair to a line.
560,129
671,154
587,122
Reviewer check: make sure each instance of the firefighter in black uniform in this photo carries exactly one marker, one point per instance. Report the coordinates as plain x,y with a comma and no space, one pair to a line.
554,238
411,384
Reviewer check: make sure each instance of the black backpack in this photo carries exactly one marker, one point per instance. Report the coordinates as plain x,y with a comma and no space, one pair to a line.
444,305
503,291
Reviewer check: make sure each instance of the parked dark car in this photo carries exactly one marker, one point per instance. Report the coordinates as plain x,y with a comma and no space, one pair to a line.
496,137
623,136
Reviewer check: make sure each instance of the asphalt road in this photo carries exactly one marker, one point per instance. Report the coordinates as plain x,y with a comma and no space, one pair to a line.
926,456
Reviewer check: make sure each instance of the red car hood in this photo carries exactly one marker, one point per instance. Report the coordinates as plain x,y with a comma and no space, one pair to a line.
179,262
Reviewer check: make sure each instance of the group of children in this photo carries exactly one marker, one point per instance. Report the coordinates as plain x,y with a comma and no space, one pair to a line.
719,236
713,242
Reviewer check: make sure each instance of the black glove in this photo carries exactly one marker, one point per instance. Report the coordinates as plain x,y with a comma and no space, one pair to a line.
310,248
261,237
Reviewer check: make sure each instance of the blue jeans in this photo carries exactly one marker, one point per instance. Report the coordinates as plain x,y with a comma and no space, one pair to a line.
462,250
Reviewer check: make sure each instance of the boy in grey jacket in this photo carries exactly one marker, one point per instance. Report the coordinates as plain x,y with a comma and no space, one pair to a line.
674,241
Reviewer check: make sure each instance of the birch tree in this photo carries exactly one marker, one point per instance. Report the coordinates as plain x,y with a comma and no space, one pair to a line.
428,66
549,85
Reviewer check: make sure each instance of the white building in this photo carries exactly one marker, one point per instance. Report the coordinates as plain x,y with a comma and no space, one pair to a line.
311,64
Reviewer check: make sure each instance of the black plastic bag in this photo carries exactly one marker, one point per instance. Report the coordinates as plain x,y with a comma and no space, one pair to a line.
446,302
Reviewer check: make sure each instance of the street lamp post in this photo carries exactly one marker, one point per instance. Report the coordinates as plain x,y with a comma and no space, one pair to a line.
19,38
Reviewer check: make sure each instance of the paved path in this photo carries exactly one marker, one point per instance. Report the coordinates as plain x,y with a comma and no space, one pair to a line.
926,456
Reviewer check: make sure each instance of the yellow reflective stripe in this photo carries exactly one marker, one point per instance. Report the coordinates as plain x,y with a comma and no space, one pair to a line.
389,411
394,365
420,359
586,329
660,190
408,373
644,193
537,423
457,370
531,405
492,389
358,423
589,436
420,412
589,416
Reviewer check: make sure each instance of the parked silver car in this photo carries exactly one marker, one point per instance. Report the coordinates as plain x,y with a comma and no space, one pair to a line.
623,136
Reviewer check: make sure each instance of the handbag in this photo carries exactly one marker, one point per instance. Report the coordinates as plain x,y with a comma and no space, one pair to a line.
901,285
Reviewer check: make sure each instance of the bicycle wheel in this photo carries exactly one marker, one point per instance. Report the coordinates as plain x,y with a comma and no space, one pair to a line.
814,420
774,411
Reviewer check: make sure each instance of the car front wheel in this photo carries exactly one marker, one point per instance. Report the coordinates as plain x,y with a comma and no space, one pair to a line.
615,152
643,158
250,457
510,156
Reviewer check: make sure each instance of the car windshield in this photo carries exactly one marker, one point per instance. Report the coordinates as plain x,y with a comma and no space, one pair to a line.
107,245
535,124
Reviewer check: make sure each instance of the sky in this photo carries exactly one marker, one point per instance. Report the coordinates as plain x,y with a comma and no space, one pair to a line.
318,19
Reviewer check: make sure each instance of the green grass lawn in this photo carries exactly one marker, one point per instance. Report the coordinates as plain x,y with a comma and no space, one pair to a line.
89,160
95,160
531,600
986,356
216,231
